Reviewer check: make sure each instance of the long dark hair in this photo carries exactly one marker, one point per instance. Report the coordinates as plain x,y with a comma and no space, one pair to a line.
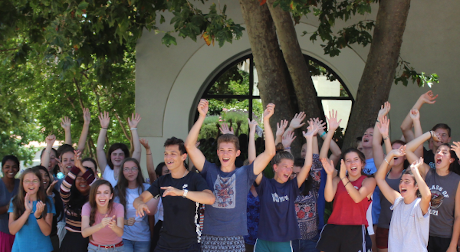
159,169
454,166
18,200
57,199
92,199
308,184
76,198
115,147
122,185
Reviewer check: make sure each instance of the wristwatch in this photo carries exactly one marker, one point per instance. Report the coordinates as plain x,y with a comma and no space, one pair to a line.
185,193
41,216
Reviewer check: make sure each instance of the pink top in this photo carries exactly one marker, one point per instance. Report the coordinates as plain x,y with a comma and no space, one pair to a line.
346,211
104,236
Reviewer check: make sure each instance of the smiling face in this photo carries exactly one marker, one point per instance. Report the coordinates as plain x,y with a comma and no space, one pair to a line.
68,161
354,164
10,169
367,138
173,158
283,170
303,151
398,160
31,183
103,195
407,186
81,184
130,171
227,154
117,157
442,157
45,179
53,161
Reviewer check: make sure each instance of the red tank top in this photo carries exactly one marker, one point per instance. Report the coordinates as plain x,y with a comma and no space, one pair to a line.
346,211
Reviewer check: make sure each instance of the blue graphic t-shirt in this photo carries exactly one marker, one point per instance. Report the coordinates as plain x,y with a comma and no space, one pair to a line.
278,221
227,216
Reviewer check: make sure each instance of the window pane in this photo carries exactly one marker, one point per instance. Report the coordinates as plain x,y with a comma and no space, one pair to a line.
255,90
343,108
325,87
234,81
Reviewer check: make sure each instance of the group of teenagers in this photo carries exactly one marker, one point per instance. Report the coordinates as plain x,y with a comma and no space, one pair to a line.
395,197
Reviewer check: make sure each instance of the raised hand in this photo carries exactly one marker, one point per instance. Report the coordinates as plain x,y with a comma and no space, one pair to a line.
383,126
414,167
86,116
456,147
321,125
312,130
104,119
145,143
141,209
135,119
435,136
77,160
297,121
28,205
328,166
39,207
384,109
414,114
225,130
252,125
288,139
50,140
130,221
269,111
400,152
65,122
49,191
332,121
203,107
428,97
281,127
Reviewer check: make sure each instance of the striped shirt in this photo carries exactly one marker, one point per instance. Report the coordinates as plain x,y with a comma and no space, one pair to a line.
72,218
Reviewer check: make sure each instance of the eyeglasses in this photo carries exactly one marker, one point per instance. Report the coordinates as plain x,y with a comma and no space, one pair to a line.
35,181
133,169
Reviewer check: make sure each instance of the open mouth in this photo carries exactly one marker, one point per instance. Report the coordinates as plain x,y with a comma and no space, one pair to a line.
354,168
170,162
225,159
438,160
287,176
403,190
102,202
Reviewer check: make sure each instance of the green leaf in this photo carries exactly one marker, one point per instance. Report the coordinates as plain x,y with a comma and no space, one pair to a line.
168,40
83,5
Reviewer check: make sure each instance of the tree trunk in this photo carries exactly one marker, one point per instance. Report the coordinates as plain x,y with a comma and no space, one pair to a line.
378,76
269,62
298,68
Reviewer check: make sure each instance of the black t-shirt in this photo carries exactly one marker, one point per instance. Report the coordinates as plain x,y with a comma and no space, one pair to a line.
181,215
428,158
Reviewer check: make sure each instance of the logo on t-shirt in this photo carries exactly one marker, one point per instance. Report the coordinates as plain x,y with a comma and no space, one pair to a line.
437,196
224,190
277,198
184,186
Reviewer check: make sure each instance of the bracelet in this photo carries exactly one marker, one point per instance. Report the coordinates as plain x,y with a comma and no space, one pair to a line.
343,177
41,216
386,161
431,133
347,183
133,128
322,134
385,138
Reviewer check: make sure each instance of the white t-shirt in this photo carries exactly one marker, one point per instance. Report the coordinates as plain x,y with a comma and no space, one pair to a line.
109,176
409,228
140,230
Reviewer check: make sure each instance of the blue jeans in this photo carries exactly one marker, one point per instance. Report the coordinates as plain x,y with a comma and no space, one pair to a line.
304,245
137,246
92,248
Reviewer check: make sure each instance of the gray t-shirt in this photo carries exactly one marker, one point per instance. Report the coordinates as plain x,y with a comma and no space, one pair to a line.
409,227
227,216
443,191
5,197
385,211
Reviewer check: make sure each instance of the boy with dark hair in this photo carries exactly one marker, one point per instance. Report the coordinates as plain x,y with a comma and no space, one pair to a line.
225,220
180,228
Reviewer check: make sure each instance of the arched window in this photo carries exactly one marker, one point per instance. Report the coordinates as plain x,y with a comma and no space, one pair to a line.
234,96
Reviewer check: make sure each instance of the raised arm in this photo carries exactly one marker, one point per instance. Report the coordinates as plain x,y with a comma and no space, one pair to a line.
422,187
135,119
264,158
321,125
296,122
288,138
366,189
303,174
390,194
280,128
252,142
194,153
414,144
65,124
149,160
85,129
406,126
69,179
331,182
225,130
45,159
415,116
381,130
333,125
104,119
